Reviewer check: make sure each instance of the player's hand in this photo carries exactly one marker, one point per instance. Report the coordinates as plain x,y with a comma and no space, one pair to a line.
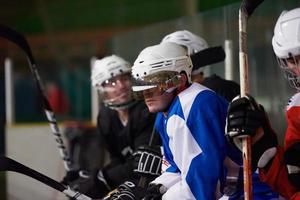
147,161
71,176
126,191
292,161
246,117
92,184
155,192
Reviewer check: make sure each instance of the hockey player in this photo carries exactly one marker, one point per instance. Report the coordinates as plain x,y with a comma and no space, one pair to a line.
279,167
123,125
190,121
228,90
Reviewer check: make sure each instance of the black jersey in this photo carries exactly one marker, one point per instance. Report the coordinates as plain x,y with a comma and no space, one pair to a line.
121,140
225,88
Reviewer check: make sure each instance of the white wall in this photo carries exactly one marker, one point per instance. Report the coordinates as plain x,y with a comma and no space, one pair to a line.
34,146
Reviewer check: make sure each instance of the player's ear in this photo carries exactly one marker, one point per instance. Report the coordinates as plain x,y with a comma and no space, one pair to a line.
183,79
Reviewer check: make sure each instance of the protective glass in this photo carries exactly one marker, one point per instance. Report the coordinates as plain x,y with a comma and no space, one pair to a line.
115,82
165,81
112,82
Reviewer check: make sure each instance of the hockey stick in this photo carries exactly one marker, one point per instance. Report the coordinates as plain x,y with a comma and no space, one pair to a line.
245,11
207,57
143,180
20,41
7,164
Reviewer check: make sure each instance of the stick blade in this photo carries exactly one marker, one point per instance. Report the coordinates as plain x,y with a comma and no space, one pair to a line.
250,5
208,56
7,164
18,39
4,163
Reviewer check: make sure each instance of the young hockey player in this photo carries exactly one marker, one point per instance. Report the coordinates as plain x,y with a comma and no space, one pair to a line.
279,167
124,124
228,90
190,122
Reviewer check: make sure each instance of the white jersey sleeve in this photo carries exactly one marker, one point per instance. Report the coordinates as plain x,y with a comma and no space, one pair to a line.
168,179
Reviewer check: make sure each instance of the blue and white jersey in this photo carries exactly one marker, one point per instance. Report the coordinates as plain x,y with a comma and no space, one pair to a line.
194,144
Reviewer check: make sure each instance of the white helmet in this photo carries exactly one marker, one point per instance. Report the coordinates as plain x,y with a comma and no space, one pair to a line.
286,42
286,39
159,59
108,67
107,71
192,42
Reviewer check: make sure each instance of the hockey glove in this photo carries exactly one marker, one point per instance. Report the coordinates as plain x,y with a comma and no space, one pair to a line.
70,177
147,161
126,191
247,118
155,192
92,184
292,161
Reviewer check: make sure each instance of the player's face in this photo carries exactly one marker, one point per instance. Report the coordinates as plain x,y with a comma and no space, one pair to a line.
157,101
118,89
294,65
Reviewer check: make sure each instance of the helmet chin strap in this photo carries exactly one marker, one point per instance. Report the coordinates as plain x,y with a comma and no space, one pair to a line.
119,106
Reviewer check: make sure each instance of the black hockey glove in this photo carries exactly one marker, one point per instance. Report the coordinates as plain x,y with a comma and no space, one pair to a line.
155,192
92,184
126,191
247,118
70,177
292,161
147,161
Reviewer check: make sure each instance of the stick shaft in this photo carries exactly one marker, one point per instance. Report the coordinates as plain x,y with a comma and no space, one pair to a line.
244,81
21,42
143,180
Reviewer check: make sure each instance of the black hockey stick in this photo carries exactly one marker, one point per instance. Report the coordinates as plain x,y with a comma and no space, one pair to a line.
143,180
7,164
245,11
20,41
208,56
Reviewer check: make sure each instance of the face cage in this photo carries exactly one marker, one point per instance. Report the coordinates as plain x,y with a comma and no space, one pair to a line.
113,81
110,103
167,82
108,86
293,79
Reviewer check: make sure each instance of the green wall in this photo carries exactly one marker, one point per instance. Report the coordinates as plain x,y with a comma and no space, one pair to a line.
69,15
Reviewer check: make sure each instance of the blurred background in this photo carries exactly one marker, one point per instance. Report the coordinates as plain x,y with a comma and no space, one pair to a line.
66,36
